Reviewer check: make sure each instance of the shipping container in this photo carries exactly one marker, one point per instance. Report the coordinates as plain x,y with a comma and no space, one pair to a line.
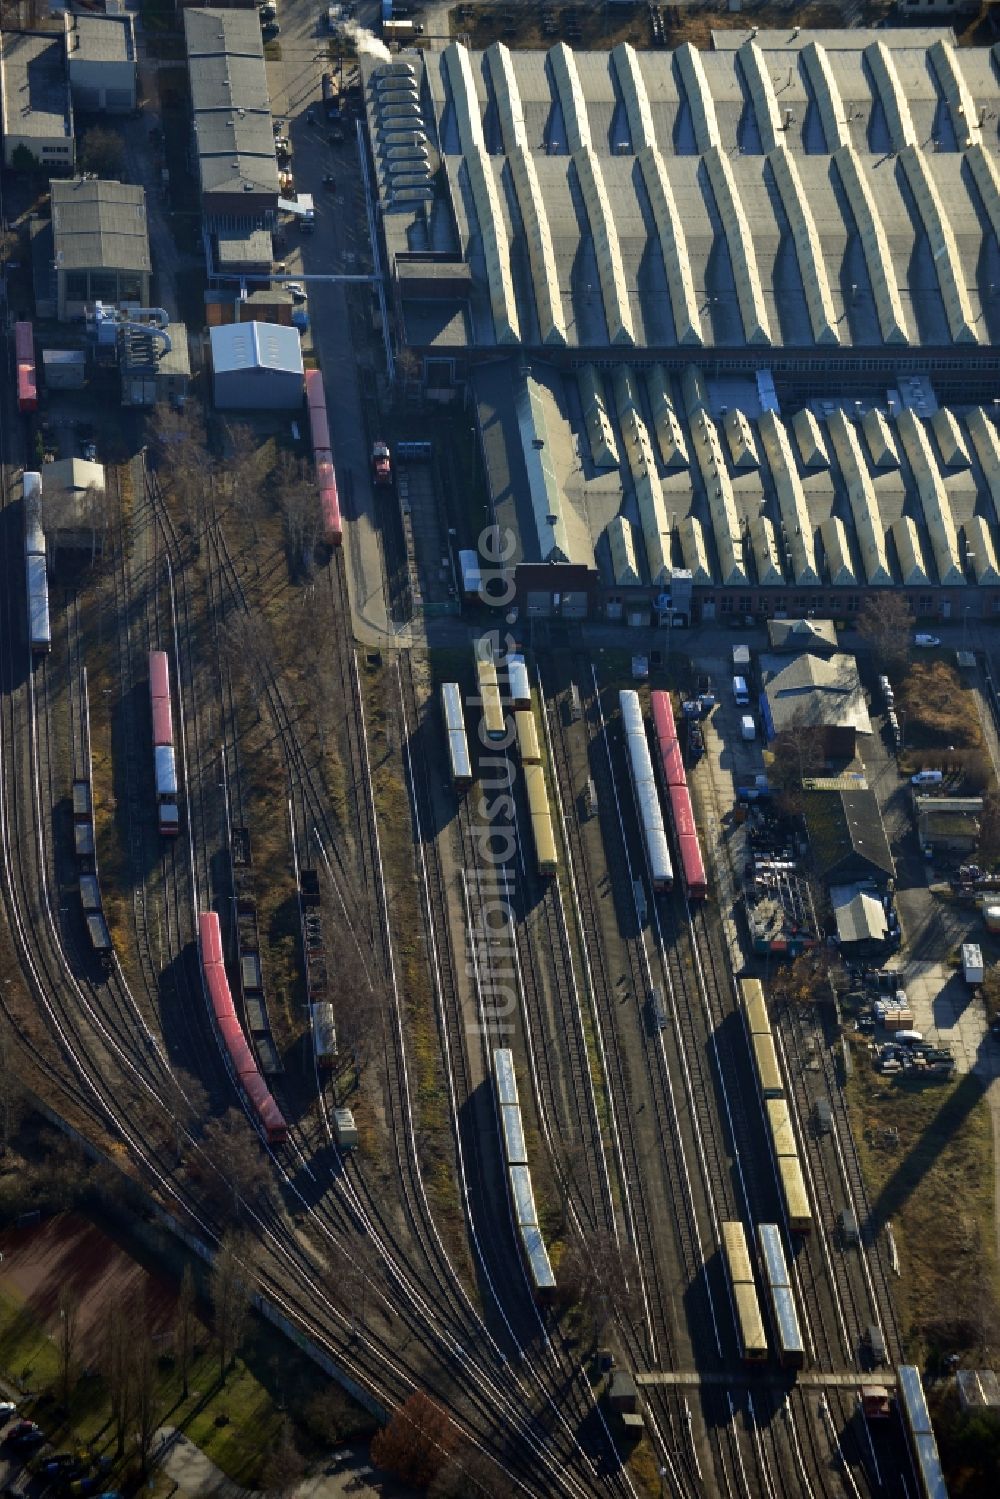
345,1130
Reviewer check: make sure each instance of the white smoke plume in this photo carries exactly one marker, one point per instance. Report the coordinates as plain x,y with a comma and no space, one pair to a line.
366,41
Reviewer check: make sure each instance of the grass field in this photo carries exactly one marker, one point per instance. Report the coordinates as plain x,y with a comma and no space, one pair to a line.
236,1423
935,1184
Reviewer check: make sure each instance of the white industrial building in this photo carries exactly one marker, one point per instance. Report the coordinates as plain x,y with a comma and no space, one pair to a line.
257,366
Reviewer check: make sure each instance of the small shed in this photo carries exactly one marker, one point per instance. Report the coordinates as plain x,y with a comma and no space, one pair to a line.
257,366
979,1390
790,636
64,369
73,509
860,917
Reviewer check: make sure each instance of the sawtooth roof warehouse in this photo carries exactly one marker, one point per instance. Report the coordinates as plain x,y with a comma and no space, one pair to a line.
729,317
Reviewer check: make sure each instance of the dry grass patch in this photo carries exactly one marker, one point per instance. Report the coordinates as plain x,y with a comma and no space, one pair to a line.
934,1181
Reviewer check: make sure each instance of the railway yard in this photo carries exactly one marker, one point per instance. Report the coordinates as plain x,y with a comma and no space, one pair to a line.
410,943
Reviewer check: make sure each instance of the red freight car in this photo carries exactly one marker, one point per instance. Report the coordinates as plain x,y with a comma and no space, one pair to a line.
253,1086
27,377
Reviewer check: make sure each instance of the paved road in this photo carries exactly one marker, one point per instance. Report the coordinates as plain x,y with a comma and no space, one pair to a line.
339,244
345,1472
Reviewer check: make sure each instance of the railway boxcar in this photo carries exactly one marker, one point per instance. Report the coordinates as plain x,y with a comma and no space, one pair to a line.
536,1256
647,797
164,760
688,844
541,821
749,1321
34,530
324,1034
917,1420
793,1188
785,1319
459,759
470,575
754,1006
779,1124
345,1131
100,937
494,722
82,805
504,1075
766,1065
244,1067
331,520
27,374
514,1147
90,892
518,682
527,737
37,589
664,723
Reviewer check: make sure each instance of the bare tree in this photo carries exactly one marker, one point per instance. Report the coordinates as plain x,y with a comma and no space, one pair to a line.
240,474
145,1401
183,458
600,1278
886,624
285,1467
298,505
240,1173
117,1372
185,1328
12,1099
66,1342
231,1295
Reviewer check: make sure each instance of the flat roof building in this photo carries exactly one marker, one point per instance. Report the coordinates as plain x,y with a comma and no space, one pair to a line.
231,116
36,100
100,239
102,63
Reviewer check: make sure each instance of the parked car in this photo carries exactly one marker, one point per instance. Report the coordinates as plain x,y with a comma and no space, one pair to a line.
7,1410
296,290
927,778
927,642
25,1434
269,30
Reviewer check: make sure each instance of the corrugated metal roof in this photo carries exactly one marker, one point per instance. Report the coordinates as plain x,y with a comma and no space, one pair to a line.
256,345
859,914
861,493
933,497
791,498
624,563
600,433
100,225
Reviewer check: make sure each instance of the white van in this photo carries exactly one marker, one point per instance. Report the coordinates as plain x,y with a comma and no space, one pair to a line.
741,692
927,778
748,729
